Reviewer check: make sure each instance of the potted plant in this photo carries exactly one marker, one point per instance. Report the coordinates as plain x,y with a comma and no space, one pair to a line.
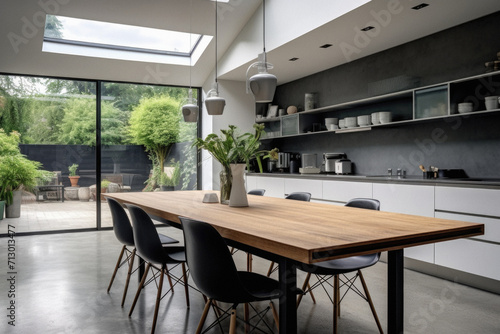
104,187
171,177
16,173
233,148
73,178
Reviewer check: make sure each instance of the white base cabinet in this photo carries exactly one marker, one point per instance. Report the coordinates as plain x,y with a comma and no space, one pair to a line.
409,199
479,255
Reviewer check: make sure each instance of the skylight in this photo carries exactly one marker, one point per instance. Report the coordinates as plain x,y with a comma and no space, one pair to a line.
119,41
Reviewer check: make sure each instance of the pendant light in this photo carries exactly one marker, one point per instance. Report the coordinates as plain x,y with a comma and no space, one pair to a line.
190,108
263,84
214,103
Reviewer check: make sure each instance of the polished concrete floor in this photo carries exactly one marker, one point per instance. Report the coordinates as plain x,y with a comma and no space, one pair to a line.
59,282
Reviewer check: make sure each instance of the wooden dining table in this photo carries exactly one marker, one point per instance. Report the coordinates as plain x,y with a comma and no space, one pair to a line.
290,232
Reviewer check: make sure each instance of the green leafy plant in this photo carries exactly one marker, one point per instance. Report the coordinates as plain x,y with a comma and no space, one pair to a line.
16,171
232,147
105,184
173,176
72,169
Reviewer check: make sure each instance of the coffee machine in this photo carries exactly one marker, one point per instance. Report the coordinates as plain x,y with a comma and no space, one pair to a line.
337,163
294,163
283,163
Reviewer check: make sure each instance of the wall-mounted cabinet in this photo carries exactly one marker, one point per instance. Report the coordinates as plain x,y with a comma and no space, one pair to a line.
406,107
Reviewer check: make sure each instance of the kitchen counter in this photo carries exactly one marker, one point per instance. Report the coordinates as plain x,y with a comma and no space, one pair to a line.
410,179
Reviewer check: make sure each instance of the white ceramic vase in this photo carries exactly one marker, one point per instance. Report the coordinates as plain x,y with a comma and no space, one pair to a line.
238,197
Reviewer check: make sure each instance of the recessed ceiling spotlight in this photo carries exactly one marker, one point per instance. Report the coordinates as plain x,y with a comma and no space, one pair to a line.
422,5
367,28
325,46
293,59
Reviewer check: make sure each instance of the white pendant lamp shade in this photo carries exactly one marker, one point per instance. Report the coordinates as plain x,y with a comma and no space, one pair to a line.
190,108
263,84
190,112
214,103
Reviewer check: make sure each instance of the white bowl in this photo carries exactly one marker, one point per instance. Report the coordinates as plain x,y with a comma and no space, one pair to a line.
364,120
342,123
465,107
385,117
375,118
491,102
351,122
331,121
332,127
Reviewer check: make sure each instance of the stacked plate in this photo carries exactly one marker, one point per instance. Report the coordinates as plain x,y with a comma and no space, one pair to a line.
364,120
385,117
351,122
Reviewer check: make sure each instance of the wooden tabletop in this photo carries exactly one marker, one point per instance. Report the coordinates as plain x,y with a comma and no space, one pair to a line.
303,231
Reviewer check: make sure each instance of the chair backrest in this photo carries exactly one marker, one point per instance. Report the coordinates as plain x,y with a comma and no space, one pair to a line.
258,192
121,223
364,203
147,241
211,264
299,196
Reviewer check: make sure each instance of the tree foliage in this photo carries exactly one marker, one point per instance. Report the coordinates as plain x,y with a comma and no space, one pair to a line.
79,123
154,123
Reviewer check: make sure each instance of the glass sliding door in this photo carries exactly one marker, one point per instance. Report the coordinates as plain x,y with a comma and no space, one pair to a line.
56,122
135,141
146,145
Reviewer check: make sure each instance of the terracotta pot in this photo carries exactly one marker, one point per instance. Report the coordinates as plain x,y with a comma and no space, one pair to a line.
74,180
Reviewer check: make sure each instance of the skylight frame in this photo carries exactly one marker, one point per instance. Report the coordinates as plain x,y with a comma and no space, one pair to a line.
126,52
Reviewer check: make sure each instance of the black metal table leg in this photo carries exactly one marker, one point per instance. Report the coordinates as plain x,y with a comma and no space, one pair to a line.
288,304
395,292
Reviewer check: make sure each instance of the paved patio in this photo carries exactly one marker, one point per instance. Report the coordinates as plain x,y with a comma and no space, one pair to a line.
55,215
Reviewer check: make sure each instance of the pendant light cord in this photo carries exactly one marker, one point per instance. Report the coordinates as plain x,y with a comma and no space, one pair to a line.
216,5
190,42
264,25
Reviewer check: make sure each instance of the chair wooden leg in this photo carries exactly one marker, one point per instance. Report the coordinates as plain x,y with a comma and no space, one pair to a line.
158,299
306,284
311,293
249,262
203,316
169,279
129,273
271,268
116,267
232,324
335,302
275,315
186,287
141,284
246,316
369,298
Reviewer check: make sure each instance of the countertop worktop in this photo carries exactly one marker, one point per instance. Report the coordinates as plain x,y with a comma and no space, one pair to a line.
410,179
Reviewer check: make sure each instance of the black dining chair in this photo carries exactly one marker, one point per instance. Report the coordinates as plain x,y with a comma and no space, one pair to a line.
213,270
124,233
297,196
258,192
150,248
335,268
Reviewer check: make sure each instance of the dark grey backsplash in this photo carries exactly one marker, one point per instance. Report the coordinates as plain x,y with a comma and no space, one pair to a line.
471,143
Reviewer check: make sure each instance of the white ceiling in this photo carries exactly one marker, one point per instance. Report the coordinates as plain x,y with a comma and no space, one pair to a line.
236,19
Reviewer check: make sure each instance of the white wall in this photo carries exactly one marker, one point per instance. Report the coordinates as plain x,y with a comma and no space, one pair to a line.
239,111
286,20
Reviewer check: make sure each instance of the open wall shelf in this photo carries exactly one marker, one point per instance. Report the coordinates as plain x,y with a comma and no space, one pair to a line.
407,107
